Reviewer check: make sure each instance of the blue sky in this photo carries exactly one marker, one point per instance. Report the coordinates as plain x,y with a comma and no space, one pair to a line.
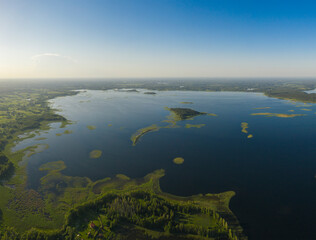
157,38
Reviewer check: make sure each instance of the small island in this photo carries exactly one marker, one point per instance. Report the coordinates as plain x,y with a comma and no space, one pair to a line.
178,160
250,136
95,154
91,127
184,113
136,136
244,127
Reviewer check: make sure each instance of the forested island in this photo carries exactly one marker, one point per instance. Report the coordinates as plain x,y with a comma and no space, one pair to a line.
176,115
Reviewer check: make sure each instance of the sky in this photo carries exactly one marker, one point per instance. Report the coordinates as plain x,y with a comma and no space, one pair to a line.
157,38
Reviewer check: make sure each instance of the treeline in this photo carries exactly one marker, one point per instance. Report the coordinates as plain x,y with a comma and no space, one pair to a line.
6,167
293,95
137,208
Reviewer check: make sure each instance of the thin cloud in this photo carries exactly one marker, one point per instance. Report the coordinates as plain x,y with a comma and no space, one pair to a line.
54,55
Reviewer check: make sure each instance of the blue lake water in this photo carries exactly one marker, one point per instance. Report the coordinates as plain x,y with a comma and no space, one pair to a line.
273,173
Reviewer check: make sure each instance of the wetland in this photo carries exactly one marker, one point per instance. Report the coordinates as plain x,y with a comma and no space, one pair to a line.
233,181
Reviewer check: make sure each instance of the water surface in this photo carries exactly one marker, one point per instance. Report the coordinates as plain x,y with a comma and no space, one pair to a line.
272,173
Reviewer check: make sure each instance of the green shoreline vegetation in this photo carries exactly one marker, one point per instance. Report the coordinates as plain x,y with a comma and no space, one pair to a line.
121,208
293,90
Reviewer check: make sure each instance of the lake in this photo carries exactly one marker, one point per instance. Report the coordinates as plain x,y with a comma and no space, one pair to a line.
272,173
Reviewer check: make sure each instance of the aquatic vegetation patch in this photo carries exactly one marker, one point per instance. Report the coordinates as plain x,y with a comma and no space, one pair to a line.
304,105
65,123
280,115
29,151
212,114
65,132
91,127
178,160
40,138
244,127
53,166
95,154
123,177
306,109
186,102
194,125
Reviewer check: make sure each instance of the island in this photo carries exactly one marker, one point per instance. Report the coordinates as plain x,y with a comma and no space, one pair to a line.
178,160
176,115
141,132
244,127
95,154
91,127
180,114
